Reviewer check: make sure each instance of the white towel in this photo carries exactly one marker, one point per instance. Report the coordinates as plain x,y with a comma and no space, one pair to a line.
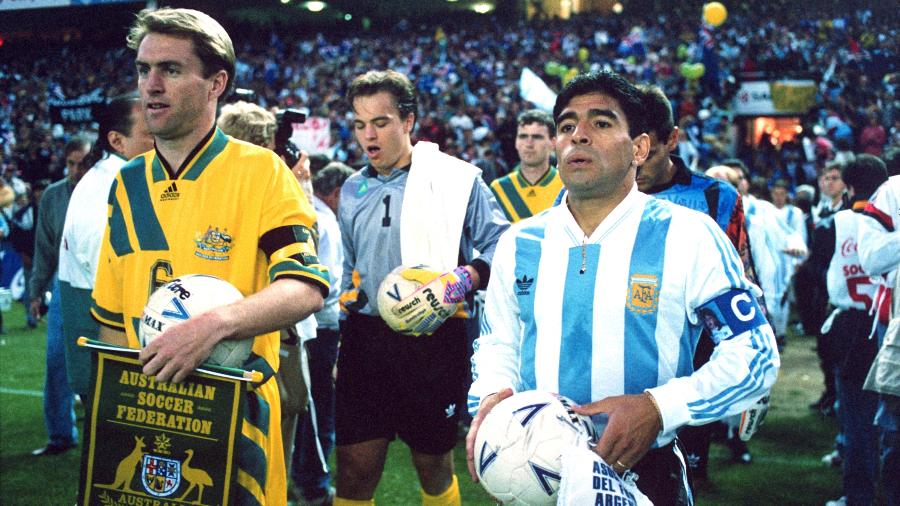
434,207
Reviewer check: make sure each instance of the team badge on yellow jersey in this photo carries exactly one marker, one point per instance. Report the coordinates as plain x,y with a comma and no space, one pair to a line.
213,245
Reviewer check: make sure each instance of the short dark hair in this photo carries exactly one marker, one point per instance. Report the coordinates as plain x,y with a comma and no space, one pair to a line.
613,85
390,81
759,188
76,143
658,108
332,176
317,162
865,173
538,116
115,116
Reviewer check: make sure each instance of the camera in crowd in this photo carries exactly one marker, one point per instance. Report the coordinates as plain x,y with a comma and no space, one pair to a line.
284,146
284,120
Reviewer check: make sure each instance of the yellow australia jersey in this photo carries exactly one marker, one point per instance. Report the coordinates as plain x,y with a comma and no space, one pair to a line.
521,199
236,212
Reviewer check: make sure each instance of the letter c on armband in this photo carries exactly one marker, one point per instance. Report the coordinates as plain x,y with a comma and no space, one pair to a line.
742,316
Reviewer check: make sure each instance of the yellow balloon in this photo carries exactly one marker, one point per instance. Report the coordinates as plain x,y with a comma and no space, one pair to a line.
714,13
569,75
583,54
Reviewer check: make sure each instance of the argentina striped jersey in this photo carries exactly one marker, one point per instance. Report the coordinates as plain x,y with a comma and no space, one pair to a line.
617,313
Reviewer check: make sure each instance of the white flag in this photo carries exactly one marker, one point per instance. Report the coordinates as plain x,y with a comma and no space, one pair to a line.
533,89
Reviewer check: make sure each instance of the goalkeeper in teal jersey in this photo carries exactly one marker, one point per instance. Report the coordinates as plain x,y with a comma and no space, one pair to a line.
407,206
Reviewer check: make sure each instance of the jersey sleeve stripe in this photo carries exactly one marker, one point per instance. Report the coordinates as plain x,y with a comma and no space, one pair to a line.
730,259
718,405
500,201
248,491
294,269
281,237
302,252
118,230
880,216
252,458
515,200
149,232
108,318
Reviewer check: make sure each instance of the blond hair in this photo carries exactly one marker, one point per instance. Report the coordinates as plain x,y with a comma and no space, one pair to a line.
211,42
248,122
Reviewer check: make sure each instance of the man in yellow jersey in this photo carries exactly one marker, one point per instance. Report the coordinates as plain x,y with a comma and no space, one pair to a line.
533,185
202,202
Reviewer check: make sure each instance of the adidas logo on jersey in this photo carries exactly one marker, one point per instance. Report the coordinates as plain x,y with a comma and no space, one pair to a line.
171,193
524,285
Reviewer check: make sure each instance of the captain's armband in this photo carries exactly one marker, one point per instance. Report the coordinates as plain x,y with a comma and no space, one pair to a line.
731,314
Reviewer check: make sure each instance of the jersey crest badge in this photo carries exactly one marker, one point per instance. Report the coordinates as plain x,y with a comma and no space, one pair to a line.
213,244
643,294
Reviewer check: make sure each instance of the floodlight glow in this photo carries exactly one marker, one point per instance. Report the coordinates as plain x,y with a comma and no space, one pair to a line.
348,17
482,7
617,7
315,6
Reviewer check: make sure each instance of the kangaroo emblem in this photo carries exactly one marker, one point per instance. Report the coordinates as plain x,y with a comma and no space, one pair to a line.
127,467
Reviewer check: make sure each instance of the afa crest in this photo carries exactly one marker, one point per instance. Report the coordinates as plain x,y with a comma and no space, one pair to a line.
643,293
213,244
160,476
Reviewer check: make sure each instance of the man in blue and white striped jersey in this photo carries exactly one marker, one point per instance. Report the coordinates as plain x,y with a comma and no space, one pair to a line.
598,300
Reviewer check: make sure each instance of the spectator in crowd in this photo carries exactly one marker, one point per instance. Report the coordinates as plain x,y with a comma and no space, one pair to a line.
278,272
59,400
796,221
791,214
395,206
314,438
832,192
122,135
534,183
601,124
849,328
811,280
22,238
471,71
873,136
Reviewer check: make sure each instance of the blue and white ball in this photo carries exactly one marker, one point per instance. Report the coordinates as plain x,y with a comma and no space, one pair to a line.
187,296
519,446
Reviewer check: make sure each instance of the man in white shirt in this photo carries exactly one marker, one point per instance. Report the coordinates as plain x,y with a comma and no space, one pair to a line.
122,135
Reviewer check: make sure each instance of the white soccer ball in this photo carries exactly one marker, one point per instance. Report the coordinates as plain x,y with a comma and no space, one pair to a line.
418,307
519,446
190,295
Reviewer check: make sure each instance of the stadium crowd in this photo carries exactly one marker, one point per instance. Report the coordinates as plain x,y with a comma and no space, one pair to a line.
467,79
